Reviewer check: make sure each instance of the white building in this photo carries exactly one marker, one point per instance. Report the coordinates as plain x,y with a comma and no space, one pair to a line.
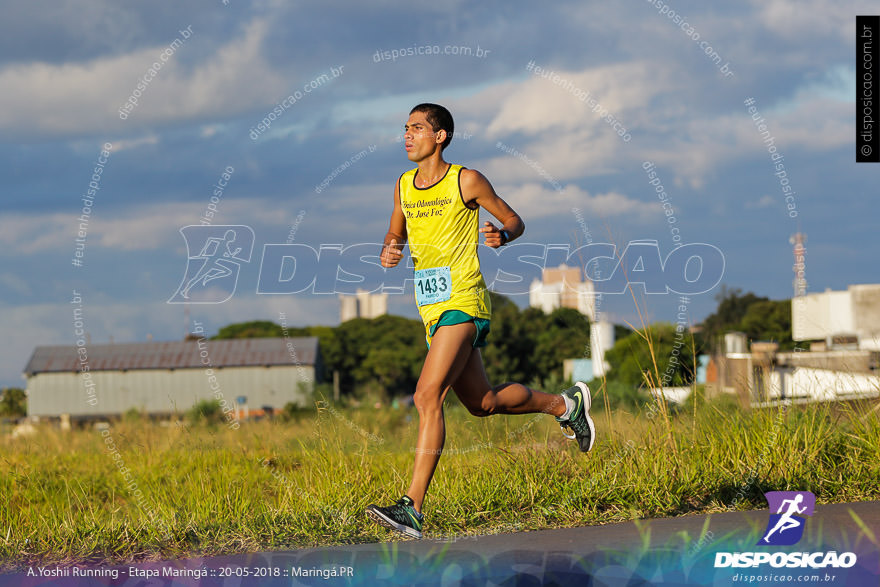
170,377
839,318
841,362
601,341
563,287
362,305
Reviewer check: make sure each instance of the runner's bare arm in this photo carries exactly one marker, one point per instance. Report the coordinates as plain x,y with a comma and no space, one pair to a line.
476,188
396,236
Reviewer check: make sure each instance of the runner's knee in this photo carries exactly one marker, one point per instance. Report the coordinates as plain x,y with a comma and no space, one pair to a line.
427,397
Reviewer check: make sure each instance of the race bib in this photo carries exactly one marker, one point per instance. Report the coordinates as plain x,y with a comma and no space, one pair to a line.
433,285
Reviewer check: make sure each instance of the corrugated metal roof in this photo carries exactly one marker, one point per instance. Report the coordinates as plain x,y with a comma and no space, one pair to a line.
189,354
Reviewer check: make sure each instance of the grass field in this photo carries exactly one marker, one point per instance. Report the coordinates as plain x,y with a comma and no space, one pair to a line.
139,491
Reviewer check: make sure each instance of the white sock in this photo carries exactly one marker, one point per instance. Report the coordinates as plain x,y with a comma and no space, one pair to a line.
569,406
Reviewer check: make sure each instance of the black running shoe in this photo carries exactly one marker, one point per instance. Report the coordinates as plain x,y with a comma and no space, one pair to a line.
579,422
401,516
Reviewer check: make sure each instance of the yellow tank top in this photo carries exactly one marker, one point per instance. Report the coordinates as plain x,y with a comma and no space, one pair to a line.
444,233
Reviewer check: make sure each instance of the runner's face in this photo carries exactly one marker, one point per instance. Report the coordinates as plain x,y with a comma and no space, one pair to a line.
419,139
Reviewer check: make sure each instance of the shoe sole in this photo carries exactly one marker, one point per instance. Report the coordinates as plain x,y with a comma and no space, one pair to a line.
384,520
592,434
588,401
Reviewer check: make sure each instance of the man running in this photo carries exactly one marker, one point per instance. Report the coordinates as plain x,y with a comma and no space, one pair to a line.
436,209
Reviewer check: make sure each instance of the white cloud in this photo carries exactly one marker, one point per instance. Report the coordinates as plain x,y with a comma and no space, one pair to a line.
14,283
33,233
703,144
31,325
147,227
557,157
209,130
532,200
86,97
540,104
124,144
808,19
298,309
812,122
764,202
565,140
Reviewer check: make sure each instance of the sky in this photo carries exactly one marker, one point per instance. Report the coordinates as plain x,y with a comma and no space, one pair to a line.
741,115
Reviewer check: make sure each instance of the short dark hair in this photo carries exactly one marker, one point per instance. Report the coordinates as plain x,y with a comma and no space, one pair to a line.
439,118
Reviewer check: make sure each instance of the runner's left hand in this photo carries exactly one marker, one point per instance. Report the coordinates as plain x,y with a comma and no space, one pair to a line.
493,235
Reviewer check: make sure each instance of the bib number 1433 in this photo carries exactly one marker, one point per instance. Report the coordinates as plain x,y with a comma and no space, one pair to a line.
433,285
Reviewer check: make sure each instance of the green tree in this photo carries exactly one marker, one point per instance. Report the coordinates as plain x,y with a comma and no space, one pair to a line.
530,345
562,334
732,308
13,402
509,354
632,358
385,352
330,348
621,331
758,317
254,329
769,320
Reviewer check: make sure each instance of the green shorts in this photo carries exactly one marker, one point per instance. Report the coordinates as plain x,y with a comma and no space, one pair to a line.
451,317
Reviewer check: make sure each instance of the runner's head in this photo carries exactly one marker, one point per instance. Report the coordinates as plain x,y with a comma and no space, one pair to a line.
439,118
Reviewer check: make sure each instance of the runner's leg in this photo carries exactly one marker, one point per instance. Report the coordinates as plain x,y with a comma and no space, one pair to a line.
481,399
450,348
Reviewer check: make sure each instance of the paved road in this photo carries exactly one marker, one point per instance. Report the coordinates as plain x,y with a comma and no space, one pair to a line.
671,551
678,551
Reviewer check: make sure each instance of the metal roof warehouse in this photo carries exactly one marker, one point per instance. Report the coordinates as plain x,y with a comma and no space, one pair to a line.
169,377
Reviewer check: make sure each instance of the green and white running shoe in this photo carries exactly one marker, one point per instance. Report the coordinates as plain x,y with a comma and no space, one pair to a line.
579,422
401,516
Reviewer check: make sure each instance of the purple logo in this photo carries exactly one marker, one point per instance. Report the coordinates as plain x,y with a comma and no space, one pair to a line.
786,525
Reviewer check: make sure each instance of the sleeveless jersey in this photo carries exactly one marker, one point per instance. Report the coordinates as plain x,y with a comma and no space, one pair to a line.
444,233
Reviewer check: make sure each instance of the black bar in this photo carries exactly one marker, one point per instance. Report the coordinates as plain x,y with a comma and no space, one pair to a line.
867,89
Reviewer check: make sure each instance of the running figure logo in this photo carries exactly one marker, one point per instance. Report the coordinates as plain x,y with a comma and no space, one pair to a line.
786,526
212,274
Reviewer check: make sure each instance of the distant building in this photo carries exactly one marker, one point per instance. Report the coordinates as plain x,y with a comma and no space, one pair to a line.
799,251
162,378
840,362
601,341
362,305
765,376
577,369
563,287
594,366
847,319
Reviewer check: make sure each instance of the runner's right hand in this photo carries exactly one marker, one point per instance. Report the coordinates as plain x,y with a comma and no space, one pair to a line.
391,254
